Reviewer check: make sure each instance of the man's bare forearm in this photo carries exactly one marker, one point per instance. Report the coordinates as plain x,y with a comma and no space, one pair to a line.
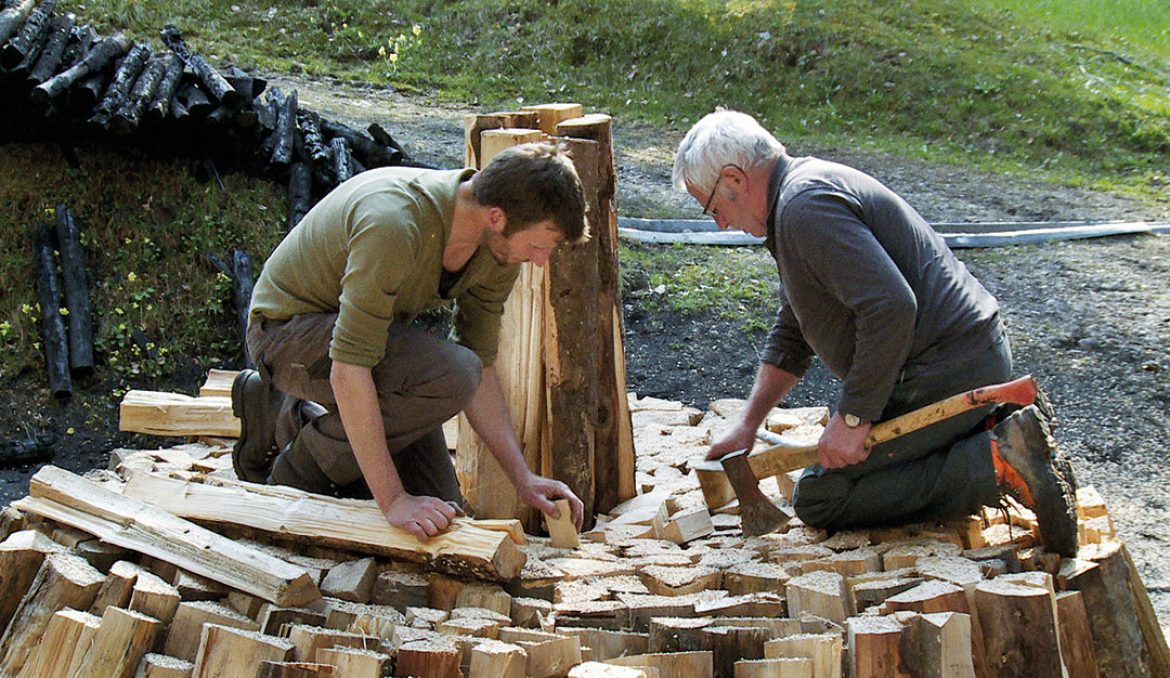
771,385
357,402
488,414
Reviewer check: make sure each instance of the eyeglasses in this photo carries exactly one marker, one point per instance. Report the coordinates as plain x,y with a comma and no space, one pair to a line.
711,198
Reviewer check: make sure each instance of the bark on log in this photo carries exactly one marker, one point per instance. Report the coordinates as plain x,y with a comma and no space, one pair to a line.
614,471
342,160
96,59
310,126
216,84
60,30
368,152
30,37
1104,581
128,115
242,283
82,40
195,100
571,344
300,192
12,18
160,105
22,452
119,89
53,336
284,136
76,283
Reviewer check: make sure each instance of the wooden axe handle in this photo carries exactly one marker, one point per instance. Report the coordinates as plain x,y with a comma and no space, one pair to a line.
1020,391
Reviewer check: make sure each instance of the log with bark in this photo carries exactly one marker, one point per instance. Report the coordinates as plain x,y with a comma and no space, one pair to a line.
12,18
76,283
160,106
342,160
128,70
216,84
28,40
284,136
60,30
95,60
53,334
127,116
300,192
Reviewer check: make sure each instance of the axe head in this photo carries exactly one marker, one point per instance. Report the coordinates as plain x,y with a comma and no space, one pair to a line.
757,514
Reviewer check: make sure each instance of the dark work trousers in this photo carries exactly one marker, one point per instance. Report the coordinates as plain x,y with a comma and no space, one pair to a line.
942,471
422,381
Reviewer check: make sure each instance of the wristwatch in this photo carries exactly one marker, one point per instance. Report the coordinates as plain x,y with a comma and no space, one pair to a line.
851,420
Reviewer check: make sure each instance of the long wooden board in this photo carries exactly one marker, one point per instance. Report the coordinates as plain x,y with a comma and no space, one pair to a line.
346,523
175,414
127,522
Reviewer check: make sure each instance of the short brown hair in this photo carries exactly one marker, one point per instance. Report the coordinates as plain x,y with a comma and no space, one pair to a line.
531,183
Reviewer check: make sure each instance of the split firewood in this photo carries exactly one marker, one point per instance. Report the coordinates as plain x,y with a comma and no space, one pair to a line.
875,647
562,530
226,652
184,635
824,650
122,638
162,666
439,657
64,644
353,580
174,414
21,557
938,645
355,662
689,664
998,603
819,593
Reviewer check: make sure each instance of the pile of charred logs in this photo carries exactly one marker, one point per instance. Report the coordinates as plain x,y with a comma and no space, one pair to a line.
61,81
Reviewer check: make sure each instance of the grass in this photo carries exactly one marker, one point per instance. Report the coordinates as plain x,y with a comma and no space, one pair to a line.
1075,91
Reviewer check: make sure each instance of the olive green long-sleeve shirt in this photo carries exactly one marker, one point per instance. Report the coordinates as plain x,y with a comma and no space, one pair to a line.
372,251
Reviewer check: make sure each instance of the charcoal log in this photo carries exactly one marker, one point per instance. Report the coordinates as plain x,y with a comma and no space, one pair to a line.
248,86
80,43
194,100
119,90
216,84
179,109
12,18
76,284
242,283
53,337
86,95
300,192
310,126
49,61
383,137
342,162
92,63
27,451
127,116
368,151
35,45
160,105
30,36
173,38
284,137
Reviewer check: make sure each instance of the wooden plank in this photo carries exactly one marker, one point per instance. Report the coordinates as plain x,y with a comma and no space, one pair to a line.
175,414
218,383
130,523
344,523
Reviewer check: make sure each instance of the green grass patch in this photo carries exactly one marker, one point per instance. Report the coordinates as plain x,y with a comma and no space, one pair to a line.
734,283
1075,91
146,227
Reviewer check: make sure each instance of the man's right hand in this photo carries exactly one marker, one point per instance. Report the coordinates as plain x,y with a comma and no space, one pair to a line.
741,437
424,517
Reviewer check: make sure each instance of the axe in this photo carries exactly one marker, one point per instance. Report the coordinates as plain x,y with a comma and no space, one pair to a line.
720,483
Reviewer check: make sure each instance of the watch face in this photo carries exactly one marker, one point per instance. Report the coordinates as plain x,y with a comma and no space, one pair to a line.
852,420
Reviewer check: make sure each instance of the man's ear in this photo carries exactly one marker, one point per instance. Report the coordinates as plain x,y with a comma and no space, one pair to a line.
497,219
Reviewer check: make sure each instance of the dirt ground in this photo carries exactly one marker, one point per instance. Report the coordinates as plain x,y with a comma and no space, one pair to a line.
1090,319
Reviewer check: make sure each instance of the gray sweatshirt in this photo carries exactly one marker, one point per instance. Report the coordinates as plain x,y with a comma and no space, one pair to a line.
868,286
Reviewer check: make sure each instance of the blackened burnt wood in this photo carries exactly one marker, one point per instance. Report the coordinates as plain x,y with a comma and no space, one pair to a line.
179,109
242,283
310,125
246,85
364,148
37,27
342,162
300,192
76,284
13,18
89,91
119,89
93,62
286,126
126,118
194,100
160,105
173,38
49,60
29,36
28,451
80,42
53,337
216,84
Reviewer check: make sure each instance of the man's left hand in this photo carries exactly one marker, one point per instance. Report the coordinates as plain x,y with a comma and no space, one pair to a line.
841,445
539,493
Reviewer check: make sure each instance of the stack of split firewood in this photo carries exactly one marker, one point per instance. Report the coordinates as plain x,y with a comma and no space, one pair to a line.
61,81
170,566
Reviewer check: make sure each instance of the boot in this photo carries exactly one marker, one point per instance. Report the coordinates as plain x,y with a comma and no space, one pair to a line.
256,405
1030,468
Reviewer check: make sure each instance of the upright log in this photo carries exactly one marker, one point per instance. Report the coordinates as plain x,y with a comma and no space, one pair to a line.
1104,579
60,29
342,159
300,192
284,135
76,279
1009,651
53,336
123,637
571,344
242,284
63,646
614,473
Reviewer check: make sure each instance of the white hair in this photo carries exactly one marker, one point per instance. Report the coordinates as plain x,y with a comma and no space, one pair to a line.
722,138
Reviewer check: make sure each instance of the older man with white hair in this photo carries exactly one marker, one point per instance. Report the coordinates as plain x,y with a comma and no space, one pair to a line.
875,293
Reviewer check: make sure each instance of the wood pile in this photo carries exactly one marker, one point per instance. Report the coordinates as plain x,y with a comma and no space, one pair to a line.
169,566
62,82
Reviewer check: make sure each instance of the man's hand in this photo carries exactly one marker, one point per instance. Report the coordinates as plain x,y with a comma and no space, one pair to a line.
539,493
741,437
842,446
424,517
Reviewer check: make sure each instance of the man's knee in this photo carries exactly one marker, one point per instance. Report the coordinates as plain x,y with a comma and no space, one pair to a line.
466,372
820,497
